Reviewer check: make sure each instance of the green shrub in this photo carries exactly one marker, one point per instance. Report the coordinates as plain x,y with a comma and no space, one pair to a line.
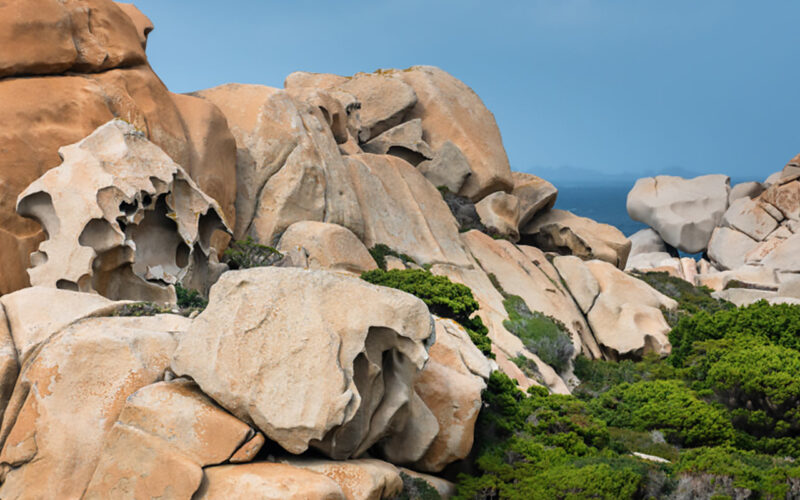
248,253
142,309
190,299
691,299
416,489
543,335
443,297
380,251
598,376
779,324
667,406
764,476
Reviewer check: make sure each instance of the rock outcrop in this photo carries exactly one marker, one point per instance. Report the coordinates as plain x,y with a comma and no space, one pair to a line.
266,481
280,334
684,212
449,168
500,212
122,219
568,234
534,194
329,246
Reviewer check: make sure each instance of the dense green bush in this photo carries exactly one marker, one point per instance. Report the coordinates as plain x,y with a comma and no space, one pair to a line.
598,376
415,488
247,253
190,299
542,335
380,251
763,476
779,324
443,297
667,406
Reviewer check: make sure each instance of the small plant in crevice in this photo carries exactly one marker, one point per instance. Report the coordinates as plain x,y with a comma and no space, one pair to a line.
543,335
248,253
138,309
380,251
190,300
443,297
415,488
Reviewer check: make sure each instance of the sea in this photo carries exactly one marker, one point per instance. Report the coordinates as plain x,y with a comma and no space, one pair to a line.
604,203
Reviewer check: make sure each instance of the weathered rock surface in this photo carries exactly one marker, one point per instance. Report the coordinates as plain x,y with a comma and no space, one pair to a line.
404,141
445,488
451,386
745,190
401,209
362,479
728,248
785,196
625,315
535,195
329,246
449,168
749,217
9,362
568,234
122,219
288,164
451,111
163,437
280,334
266,481
646,241
142,23
49,36
683,211
499,212
68,396
41,114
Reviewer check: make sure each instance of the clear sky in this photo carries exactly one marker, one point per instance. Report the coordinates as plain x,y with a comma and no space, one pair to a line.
615,87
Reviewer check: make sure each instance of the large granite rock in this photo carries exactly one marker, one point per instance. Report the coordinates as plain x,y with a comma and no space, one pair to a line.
625,313
289,168
749,217
70,392
283,334
163,437
728,248
499,212
683,211
122,219
449,168
568,234
329,246
534,194
402,210
451,386
451,111
362,479
646,241
51,36
41,114
404,141
266,481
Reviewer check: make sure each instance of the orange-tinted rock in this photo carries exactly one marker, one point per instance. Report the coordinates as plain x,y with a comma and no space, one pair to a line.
142,23
53,36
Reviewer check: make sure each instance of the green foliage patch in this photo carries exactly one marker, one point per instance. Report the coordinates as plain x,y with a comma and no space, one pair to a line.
380,251
248,253
543,335
691,299
443,297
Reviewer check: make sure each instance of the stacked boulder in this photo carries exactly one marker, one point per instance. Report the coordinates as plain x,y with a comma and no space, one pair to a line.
747,233
298,380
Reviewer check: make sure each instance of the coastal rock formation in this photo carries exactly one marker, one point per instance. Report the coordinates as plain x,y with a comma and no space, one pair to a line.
266,481
163,437
449,168
625,314
122,219
356,364
684,212
534,194
329,246
568,234
63,406
499,212
404,140
362,479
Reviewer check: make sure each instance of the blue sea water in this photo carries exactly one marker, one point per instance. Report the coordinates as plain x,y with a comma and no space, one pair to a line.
603,203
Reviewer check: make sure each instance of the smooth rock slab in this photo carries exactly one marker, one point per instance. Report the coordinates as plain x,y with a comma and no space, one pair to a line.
329,246
266,481
293,336
683,211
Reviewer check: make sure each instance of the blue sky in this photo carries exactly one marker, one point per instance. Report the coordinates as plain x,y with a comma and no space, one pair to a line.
614,87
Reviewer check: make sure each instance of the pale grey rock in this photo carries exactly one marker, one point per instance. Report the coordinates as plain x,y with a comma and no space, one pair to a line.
646,241
683,211
745,190
535,195
749,217
728,248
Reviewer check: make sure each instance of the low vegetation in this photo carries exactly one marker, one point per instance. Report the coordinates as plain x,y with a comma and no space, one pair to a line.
443,297
248,253
722,412
380,251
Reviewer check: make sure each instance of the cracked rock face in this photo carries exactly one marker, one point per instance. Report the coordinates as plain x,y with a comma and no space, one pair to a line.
122,219
276,348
